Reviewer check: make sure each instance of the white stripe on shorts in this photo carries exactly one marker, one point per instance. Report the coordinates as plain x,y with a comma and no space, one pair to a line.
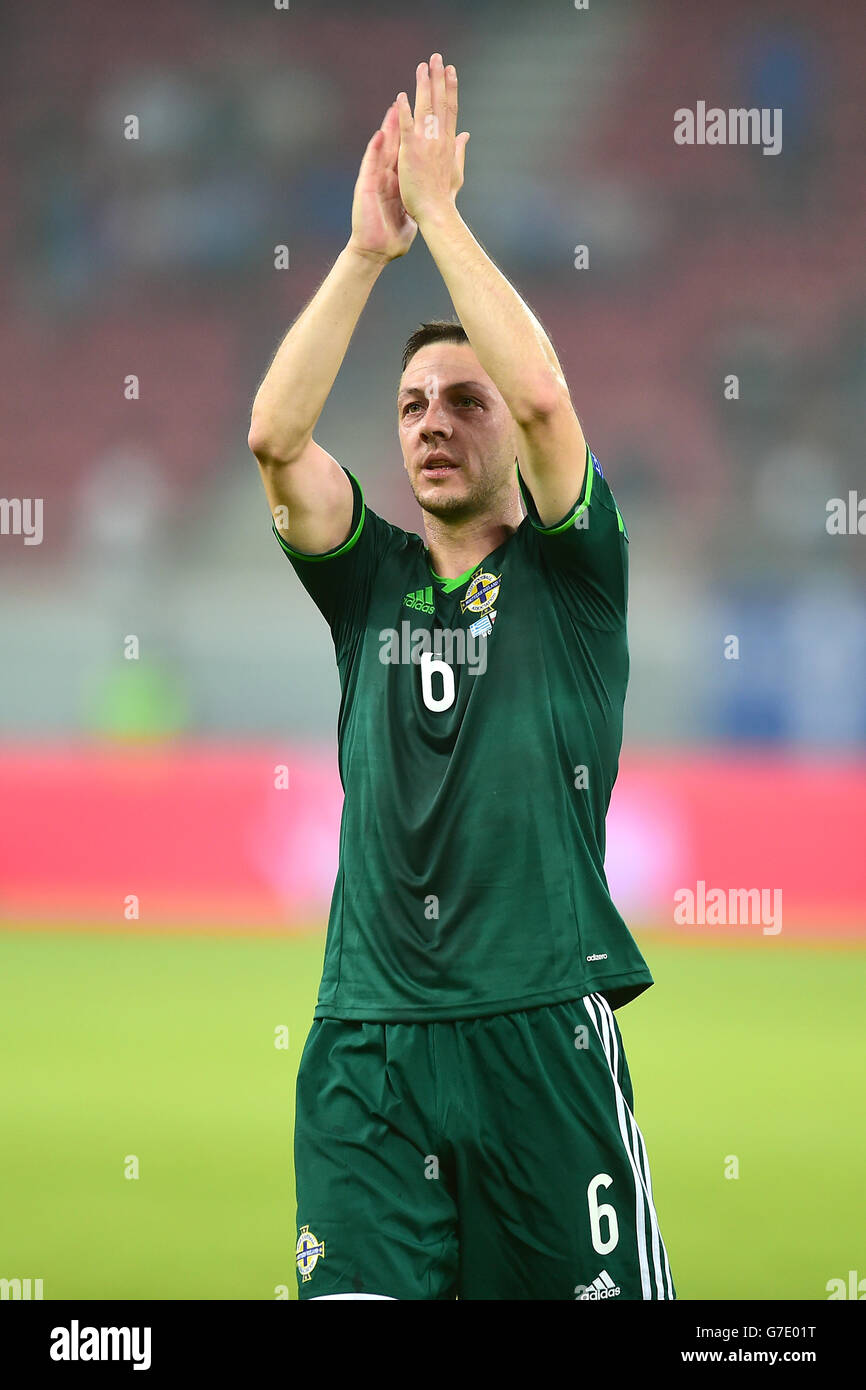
640,1150
636,1149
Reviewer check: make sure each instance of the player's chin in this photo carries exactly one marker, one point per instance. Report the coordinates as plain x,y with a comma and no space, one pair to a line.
446,492
440,501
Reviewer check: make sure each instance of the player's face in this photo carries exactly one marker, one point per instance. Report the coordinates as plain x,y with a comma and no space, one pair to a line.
447,404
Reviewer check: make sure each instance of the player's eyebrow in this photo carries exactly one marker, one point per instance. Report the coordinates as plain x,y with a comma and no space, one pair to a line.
455,386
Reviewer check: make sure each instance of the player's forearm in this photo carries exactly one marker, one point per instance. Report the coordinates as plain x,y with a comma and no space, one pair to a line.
293,392
507,338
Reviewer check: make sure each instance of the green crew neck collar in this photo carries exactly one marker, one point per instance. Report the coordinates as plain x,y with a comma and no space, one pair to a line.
449,585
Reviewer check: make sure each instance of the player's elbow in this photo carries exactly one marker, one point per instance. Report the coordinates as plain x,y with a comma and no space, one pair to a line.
260,439
257,443
268,446
543,398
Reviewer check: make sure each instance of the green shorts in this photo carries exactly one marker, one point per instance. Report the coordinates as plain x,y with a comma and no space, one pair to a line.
489,1158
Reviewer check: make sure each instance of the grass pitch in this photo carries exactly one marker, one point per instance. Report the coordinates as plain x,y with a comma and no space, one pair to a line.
156,1054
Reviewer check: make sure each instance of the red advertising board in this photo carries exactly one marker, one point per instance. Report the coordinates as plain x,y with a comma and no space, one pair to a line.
246,836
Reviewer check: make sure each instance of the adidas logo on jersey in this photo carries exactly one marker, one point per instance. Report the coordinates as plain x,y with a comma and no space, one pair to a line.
421,599
602,1286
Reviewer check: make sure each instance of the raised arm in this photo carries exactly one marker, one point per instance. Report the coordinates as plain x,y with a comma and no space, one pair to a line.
507,339
307,490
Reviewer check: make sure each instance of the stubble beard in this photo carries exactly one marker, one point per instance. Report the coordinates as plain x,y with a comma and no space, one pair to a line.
480,499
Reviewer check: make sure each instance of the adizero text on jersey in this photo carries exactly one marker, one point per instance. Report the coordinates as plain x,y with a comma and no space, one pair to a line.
479,736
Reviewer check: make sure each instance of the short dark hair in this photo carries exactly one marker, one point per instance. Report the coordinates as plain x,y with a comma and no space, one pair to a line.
435,331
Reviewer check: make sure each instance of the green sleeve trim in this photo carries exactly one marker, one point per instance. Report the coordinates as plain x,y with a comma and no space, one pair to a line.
578,508
339,550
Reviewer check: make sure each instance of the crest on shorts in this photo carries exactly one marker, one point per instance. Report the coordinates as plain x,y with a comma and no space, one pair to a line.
308,1253
481,594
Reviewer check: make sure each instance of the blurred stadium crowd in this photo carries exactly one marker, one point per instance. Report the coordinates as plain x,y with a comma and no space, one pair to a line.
154,257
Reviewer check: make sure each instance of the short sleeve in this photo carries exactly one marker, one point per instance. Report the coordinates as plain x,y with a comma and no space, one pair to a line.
339,581
588,549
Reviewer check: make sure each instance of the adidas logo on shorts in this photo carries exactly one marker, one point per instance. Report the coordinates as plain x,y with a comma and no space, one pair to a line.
602,1286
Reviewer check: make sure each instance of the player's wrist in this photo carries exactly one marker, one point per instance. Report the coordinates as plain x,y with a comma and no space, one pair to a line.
367,256
439,214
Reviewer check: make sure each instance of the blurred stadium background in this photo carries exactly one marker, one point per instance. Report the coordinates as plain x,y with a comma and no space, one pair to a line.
157,1036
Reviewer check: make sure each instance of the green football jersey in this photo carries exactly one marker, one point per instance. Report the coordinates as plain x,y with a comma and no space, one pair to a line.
479,736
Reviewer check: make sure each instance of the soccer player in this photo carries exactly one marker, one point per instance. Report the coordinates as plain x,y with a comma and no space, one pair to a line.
464,1122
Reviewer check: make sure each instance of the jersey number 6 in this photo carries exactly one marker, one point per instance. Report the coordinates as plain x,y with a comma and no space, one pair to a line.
429,664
